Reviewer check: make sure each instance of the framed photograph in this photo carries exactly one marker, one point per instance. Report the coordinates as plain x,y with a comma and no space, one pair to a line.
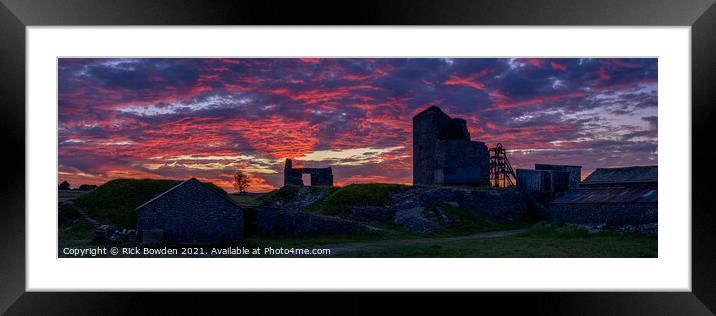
410,147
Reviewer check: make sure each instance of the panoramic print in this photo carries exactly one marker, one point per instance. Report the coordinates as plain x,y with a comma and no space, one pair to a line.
357,157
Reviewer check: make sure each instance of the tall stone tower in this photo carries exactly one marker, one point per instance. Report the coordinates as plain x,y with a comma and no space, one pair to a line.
443,152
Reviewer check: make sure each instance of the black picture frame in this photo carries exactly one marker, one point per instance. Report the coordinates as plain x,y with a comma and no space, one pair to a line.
15,15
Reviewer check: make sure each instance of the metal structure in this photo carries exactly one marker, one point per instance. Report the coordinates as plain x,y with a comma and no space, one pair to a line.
501,172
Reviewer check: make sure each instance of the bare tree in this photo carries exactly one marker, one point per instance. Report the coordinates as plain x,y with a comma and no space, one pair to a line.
241,182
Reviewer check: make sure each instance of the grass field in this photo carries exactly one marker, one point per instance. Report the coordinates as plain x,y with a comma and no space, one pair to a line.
68,195
540,241
524,246
72,225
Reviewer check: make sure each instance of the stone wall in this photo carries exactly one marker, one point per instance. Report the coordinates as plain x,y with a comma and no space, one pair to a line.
495,204
500,205
278,222
617,214
192,213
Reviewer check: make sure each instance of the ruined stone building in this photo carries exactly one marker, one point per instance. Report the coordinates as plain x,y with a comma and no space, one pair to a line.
443,152
319,176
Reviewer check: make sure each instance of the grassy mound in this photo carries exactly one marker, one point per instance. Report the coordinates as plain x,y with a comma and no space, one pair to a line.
341,199
289,193
114,202
463,221
284,194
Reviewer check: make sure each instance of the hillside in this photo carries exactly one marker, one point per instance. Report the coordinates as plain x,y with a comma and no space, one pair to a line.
412,208
341,200
114,202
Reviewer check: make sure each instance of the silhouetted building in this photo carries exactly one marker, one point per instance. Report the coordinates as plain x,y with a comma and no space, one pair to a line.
319,176
443,152
549,178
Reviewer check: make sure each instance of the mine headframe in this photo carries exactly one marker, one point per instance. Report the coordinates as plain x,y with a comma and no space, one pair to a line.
501,172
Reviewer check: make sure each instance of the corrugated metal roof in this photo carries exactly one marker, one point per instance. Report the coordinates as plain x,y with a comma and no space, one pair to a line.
638,174
643,194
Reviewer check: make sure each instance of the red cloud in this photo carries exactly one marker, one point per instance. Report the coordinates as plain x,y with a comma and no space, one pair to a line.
469,81
556,65
311,60
602,73
535,62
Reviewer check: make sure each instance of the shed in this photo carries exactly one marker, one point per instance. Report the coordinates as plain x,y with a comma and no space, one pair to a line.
618,196
545,181
575,173
192,212
626,176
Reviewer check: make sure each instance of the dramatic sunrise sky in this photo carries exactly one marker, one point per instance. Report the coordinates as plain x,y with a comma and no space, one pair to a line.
207,117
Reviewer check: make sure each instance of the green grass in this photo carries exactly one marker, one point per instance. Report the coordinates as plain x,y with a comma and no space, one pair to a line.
289,193
524,247
556,231
542,240
255,241
341,199
463,221
284,194
72,225
67,214
78,231
114,202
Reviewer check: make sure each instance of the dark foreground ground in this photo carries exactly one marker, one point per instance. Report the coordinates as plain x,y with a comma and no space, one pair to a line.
474,238
535,242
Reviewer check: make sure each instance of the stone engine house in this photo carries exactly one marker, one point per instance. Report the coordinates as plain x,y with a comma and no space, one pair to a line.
319,176
443,152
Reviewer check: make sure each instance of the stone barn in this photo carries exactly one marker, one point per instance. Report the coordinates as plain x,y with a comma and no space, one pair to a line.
616,196
193,213
443,152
